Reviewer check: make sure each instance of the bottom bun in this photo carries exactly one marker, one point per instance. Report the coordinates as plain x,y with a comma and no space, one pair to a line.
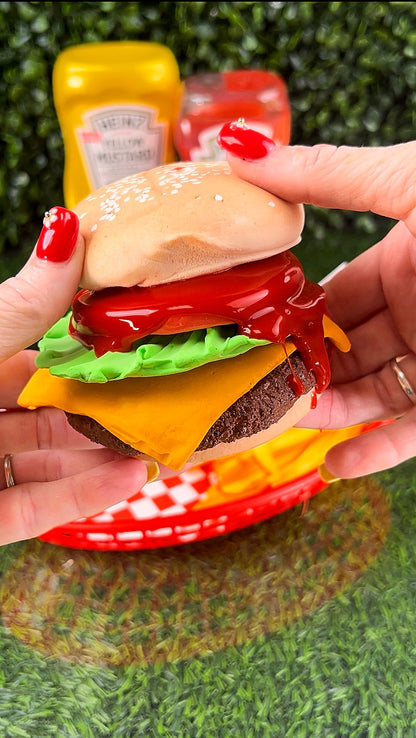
263,413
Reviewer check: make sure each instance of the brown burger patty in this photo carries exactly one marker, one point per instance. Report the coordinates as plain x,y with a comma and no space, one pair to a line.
258,409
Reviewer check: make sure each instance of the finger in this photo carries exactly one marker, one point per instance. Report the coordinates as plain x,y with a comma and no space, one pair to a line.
376,396
373,344
357,291
42,291
28,510
379,179
381,280
374,451
14,374
398,276
28,430
50,465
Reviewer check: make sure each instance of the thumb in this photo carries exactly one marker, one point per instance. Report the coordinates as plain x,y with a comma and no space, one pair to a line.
377,179
42,291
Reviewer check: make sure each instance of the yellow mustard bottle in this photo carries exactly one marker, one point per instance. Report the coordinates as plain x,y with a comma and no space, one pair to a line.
116,103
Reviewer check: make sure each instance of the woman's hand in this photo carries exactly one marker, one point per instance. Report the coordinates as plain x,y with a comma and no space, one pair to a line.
59,475
373,298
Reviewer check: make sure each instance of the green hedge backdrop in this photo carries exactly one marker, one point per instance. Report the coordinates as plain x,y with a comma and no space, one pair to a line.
350,68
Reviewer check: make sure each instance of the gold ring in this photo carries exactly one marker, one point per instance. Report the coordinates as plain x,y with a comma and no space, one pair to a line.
406,386
8,473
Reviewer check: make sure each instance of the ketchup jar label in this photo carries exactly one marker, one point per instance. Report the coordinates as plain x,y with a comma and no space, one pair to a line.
210,100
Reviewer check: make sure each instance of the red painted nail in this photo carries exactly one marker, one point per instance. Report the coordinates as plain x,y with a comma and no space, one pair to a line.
58,236
244,142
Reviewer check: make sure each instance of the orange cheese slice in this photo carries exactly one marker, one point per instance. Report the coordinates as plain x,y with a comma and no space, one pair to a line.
165,417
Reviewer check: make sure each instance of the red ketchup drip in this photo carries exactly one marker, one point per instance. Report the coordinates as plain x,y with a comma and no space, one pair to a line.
293,380
269,299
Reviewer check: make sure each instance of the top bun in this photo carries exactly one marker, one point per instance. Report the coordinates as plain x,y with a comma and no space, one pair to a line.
179,221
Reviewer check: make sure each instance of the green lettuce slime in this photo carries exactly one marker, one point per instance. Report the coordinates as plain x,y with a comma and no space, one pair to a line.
152,356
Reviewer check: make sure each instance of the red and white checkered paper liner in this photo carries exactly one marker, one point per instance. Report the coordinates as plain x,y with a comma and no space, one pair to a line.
160,499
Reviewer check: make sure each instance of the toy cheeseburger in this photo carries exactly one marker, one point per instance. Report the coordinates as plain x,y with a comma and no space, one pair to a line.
195,333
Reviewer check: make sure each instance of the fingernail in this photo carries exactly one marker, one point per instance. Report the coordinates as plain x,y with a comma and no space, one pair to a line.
243,142
58,236
153,471
326,475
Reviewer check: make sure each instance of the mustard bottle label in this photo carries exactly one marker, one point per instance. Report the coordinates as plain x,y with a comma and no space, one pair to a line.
115,141
117,102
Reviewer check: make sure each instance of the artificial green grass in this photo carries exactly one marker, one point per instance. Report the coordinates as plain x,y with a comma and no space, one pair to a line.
194,600
346,668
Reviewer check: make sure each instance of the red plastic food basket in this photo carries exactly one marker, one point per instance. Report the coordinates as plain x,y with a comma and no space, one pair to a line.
161,514
212,499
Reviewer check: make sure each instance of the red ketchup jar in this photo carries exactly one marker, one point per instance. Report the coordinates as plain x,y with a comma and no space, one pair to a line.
209,100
